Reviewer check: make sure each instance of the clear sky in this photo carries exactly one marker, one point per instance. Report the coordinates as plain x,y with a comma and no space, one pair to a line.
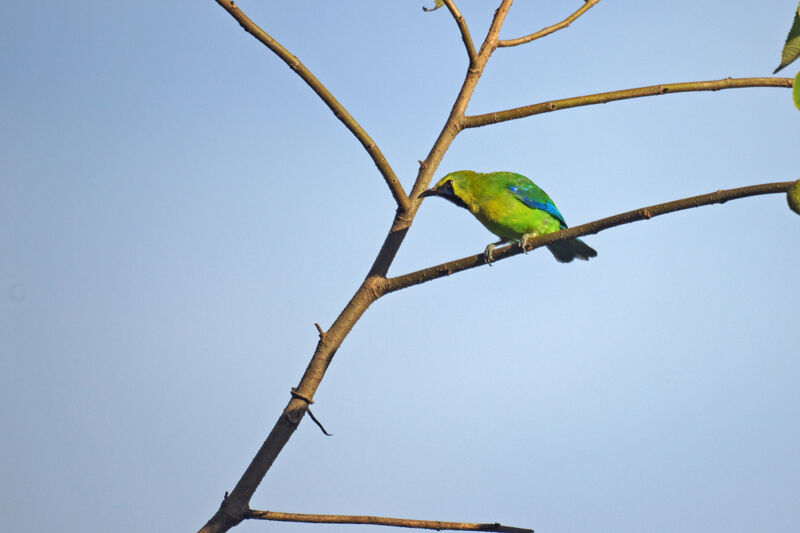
177,209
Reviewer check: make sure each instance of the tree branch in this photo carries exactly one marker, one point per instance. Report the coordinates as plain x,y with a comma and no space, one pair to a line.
381,521
452,127
645,213
455,122
462,26
338,109
235,507
550,29
475,121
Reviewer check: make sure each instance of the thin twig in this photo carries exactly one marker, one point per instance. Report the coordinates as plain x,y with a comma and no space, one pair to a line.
645,213
338,109
318,423
475,121
452,127
550,29
462,25
381,521
455,122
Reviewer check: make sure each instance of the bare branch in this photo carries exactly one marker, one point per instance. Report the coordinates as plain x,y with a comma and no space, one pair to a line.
455,122
338,109
645,213
235,507
382,521
550,29
452,127
486,119
462,25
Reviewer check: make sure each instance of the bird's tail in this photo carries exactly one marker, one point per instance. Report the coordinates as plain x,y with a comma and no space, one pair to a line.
566,251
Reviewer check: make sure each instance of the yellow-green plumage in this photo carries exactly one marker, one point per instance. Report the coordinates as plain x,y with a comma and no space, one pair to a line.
793,197
512,207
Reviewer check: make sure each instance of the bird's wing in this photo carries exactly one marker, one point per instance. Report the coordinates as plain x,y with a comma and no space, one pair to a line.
535,198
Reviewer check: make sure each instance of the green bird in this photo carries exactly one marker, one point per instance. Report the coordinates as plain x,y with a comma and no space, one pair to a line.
512,207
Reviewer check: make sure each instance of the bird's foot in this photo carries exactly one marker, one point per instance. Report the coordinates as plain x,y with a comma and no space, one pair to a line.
487,254
523,239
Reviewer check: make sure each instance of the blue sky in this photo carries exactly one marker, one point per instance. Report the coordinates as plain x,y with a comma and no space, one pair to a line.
177,209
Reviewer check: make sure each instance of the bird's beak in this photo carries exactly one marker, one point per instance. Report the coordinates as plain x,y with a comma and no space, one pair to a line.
429,192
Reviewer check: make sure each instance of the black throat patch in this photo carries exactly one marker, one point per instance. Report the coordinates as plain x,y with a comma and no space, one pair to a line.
446,191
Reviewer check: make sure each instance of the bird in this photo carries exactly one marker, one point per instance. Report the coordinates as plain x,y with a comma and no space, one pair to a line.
512,207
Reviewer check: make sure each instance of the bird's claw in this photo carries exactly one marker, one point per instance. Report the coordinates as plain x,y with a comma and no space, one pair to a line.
522,242
487,254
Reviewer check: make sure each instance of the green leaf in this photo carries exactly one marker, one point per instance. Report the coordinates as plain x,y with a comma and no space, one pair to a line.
791,50
437,5
793,197
797,90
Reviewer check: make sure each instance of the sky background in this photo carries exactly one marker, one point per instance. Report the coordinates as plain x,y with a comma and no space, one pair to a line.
177,209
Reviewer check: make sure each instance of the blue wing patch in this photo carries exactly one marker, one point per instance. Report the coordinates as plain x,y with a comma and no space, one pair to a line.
525,195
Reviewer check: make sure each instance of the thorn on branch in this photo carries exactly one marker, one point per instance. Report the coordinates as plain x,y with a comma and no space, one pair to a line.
321,331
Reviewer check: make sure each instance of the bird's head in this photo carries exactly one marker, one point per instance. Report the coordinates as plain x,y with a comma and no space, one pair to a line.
450,187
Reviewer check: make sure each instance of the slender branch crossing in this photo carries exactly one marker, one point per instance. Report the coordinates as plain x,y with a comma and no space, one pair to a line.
382,521
550,29
475,121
